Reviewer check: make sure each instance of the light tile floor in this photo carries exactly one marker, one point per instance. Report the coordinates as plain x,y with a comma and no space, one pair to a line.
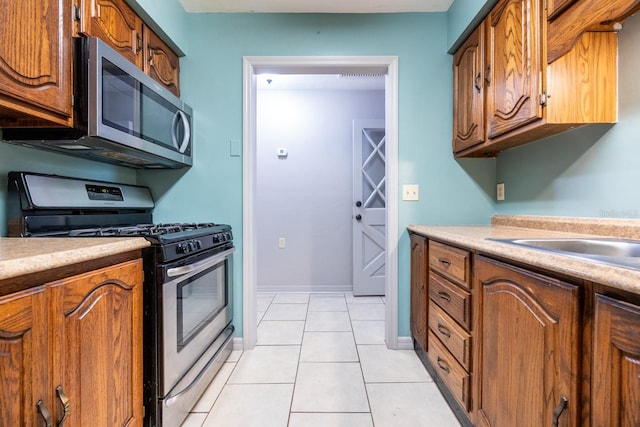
320,361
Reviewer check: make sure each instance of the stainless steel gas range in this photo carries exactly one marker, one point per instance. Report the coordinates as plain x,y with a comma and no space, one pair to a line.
187,289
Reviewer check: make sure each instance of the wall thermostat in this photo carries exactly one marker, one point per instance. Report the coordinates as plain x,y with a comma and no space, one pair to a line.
282,153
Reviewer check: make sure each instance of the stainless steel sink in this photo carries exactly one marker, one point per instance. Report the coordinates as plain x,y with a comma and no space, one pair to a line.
613,251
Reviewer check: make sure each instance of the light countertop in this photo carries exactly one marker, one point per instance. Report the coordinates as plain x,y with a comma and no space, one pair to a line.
474,238
20,256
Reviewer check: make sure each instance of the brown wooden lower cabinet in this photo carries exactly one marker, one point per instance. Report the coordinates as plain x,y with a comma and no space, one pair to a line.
418,320
75,344
528,356
511,351
615,399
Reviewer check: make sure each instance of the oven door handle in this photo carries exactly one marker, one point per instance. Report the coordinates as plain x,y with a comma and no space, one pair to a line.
200,265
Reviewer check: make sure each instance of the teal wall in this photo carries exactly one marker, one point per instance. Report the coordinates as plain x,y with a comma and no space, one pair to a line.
451,192
592,171
15,158
462,17
169,16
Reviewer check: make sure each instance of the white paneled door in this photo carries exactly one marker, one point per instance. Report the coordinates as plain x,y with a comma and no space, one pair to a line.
369,207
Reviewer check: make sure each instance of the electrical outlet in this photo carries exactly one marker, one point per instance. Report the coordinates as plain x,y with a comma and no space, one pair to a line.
282,243
411,192
500,191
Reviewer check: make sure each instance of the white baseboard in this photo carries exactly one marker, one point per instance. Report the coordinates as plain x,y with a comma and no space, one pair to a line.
274,289
405,343
238,344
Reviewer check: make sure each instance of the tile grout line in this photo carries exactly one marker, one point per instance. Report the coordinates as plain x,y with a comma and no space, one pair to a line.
295,381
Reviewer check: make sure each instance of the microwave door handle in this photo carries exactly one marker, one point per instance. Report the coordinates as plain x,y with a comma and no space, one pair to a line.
200,265
174,131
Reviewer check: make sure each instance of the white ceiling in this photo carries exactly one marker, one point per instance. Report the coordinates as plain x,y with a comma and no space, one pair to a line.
315,6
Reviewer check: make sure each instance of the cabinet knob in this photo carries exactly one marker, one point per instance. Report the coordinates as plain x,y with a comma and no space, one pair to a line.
139,43
476,82
487,73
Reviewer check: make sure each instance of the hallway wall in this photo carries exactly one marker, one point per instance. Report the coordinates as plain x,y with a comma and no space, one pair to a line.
306,197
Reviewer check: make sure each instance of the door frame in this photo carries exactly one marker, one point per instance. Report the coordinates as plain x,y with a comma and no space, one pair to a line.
251,67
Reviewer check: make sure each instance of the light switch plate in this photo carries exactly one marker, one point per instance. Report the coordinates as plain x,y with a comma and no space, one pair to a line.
411,192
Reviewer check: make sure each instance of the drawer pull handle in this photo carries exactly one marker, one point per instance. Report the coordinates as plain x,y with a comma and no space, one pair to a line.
443,365
65,402
445,296
444,262
444,331
44,413
558,410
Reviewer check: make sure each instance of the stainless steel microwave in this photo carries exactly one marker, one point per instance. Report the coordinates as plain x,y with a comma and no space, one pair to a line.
121,115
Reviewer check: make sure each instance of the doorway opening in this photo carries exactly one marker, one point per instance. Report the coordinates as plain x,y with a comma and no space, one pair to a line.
257,66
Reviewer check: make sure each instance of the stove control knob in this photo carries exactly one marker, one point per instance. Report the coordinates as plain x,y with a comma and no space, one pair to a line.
182,248
198,244
216,238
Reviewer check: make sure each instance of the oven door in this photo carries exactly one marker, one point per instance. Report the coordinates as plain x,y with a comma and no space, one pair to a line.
197,306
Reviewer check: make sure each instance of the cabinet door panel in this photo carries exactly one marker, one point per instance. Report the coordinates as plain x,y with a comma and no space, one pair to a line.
24,358
100,353
514,64
468,92
419,290
160,62
35,55
616,368
529,347
114,22
555,7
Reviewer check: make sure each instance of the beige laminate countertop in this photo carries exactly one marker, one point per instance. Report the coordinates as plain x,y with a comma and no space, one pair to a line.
20,256
474,237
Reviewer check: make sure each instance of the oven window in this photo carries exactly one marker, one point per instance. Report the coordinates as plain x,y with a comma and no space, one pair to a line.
200,299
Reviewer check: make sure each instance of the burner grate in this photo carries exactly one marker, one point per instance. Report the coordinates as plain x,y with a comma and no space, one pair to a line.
140,230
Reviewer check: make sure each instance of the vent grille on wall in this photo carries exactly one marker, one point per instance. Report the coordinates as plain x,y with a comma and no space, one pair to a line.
360,75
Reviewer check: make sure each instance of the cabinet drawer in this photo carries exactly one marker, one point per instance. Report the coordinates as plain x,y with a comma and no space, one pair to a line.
453,299
454,338
452,263
450,371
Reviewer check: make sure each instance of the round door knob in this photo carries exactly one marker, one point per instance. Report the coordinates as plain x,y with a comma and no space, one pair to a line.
358,203
358,217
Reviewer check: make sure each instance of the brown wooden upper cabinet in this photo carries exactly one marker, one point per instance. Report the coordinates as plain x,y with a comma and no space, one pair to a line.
114,22
36,59
555,7
35,62
468,92
513,74
509,90
160,62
